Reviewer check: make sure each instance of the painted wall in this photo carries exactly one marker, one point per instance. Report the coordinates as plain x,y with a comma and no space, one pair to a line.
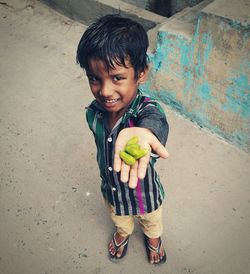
200,70
206,78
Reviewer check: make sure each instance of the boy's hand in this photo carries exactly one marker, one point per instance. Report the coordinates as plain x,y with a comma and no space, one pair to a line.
148,140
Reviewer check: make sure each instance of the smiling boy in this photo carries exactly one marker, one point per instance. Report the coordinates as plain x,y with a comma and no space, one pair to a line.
113,52
114,88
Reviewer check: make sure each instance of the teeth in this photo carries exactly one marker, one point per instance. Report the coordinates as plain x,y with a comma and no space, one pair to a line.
111,100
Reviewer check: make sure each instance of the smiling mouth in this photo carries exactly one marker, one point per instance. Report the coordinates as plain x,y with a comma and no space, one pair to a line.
111,101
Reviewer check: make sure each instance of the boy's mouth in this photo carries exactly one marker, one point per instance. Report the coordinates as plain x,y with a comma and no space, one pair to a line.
110,101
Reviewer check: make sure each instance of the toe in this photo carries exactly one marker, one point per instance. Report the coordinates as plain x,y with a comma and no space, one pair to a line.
156,258
111,248
152,259
112,251
119,253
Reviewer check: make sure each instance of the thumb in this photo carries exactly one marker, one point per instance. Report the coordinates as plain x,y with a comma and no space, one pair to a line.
158,148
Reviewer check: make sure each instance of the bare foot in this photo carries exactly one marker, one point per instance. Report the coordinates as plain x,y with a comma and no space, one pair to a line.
117,245
157,251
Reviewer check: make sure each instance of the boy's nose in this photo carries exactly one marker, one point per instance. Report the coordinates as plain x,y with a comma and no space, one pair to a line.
106,90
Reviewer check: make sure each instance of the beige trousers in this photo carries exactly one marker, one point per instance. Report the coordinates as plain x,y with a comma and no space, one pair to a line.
150,223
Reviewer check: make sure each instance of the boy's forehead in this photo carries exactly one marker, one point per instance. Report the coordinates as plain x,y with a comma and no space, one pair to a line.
100,65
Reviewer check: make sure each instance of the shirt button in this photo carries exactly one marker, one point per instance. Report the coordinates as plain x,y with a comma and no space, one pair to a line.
110,168
113,188
109,139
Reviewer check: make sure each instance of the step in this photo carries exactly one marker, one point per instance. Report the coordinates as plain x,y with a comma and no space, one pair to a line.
237,12
191,14
88,10
184,23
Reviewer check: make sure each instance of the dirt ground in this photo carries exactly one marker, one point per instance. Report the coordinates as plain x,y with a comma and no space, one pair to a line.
52,218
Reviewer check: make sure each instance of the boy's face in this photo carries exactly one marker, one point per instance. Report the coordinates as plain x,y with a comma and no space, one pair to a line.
114,89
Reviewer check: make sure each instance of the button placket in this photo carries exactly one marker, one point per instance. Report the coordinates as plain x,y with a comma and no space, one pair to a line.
110,169
109,151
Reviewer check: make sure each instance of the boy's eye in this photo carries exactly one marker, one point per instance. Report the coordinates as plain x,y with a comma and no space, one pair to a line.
117,78
92,78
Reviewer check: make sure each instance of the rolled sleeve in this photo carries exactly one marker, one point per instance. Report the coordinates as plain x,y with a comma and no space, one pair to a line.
152,118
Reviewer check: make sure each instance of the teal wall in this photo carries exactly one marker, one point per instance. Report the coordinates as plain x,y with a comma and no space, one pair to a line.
204,75
206,78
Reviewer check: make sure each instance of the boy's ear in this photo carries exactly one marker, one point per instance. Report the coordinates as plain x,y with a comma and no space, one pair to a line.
143,76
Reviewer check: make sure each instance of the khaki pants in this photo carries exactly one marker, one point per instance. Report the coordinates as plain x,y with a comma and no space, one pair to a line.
150,223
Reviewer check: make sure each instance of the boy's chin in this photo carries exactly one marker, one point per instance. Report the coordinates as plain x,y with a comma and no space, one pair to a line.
111,107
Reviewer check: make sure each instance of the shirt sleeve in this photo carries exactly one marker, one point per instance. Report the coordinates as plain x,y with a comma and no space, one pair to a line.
152,117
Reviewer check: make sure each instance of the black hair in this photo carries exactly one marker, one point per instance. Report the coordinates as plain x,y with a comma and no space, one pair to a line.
112,39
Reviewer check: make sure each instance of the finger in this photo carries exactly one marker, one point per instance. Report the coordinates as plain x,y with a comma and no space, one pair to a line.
133,176
117,162
158,148
119,145
124,172
142,166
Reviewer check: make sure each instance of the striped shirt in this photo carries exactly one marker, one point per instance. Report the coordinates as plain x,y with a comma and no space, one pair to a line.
149,193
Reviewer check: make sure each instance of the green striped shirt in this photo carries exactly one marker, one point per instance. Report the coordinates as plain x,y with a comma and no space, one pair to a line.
148,195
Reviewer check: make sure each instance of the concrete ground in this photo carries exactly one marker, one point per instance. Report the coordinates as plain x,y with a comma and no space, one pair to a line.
52,219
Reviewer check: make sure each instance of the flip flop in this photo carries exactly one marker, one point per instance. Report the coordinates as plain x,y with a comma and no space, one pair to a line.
117,246
150,248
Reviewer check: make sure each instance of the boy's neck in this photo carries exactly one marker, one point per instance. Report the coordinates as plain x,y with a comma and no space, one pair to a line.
113,117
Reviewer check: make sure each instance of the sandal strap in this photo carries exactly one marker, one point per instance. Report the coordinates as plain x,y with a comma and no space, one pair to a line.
155,249
121,244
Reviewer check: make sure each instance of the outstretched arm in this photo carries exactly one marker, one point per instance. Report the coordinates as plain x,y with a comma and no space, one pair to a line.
148,140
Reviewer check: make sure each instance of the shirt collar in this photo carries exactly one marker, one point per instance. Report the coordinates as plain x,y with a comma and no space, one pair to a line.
133,107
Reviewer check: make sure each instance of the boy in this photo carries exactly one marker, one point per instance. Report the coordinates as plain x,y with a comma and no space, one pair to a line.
113,52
